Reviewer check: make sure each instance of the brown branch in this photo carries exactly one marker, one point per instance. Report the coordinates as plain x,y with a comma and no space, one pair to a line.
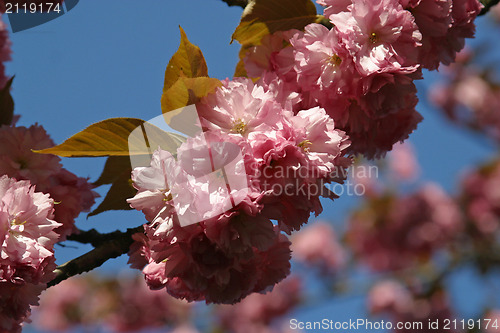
240,3
93,237
107,246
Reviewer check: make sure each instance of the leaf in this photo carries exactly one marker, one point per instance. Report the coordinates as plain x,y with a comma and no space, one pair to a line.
6,104
116,198
114,167
116,137
187,91
262,17
240,70
188,61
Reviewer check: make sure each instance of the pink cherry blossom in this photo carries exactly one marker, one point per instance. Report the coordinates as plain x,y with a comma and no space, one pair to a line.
123,304
257,312
322,61
323,143
403,163
73,195
389,296
4,52
265,56
378,120
27,238
444,26
334,6
17,159
318,246
241,107
295,165
480,197
15,302
470,98
392,233
381,36
407,305
27,254
44,171
61,305
213,262
139,308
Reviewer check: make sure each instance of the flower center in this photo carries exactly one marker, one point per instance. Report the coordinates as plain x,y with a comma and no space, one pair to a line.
335,60
14,221
373,38
239,127
305,145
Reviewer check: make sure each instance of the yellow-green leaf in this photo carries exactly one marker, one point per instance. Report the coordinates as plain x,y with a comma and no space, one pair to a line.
240,70
188,61
187,91
262,17
112,137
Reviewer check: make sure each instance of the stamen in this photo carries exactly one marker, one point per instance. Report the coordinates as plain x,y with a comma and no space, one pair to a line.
239,127
305,145
335,60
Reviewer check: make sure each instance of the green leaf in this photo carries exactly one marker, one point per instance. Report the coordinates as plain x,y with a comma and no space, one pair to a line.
112,137
188,61
262,17
6,104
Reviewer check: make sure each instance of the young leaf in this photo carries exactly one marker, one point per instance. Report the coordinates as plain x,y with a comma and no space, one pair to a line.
240,70
116,198
114,167
6,104
262,17
187,91
112,137
188,61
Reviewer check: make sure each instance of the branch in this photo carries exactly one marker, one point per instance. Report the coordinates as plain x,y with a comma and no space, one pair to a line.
107,246
93,237
487,5
241,3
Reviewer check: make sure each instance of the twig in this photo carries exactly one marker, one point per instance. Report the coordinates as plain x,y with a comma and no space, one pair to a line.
93,237
108,246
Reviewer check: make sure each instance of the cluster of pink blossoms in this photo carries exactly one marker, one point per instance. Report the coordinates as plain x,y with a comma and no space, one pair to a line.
4,52
318,246
116,305
480,199
392,233
17,160
318,96
27,238
39,201
470,96
286,159
361,71
410,306
260,313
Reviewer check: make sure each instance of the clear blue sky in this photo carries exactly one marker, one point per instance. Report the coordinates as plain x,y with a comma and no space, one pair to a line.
107,59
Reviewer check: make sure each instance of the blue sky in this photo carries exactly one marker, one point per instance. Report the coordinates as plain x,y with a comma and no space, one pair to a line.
107,59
